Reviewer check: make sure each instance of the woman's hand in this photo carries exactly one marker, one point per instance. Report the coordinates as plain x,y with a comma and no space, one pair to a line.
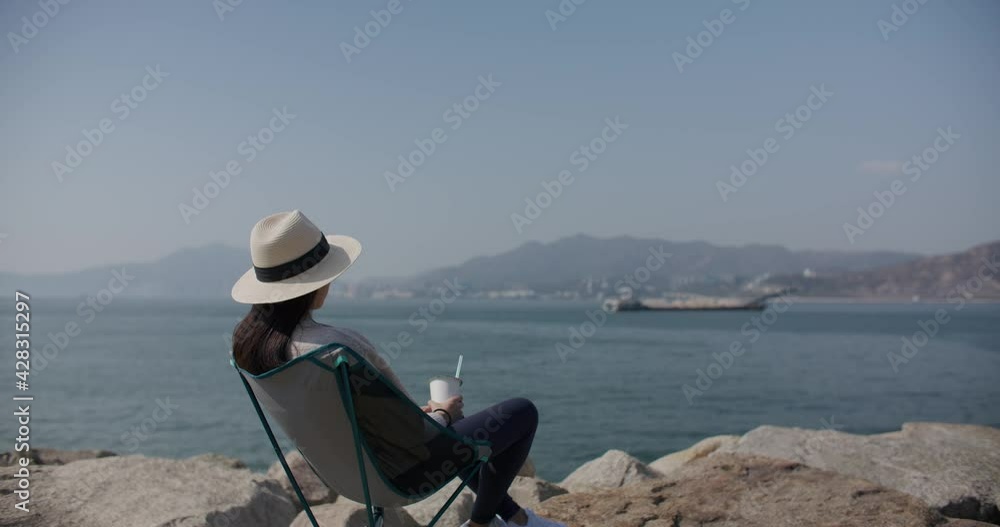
453,406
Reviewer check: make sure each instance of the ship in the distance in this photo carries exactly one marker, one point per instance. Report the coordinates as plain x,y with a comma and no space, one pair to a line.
692,302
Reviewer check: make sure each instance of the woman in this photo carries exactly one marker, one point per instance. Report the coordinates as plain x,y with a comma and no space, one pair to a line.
293,265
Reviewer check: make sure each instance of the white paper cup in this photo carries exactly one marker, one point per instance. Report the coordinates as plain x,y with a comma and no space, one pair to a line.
444,388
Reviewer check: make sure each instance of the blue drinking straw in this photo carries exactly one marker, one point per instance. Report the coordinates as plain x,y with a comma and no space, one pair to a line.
458,370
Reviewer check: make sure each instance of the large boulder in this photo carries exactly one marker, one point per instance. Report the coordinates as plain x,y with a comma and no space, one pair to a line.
52,456
527,492
136,491
346,513
671,462
953,468
729,490
315,491
612,470
225,461
530,492
459,511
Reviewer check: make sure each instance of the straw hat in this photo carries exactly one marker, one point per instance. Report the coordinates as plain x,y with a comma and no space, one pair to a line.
292,257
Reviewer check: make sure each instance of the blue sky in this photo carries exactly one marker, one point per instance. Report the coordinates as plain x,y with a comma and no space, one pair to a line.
352,119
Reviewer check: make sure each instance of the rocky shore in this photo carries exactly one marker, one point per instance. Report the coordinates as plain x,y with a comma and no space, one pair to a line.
927,474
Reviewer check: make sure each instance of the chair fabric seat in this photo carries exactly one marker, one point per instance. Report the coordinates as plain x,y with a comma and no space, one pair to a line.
407,455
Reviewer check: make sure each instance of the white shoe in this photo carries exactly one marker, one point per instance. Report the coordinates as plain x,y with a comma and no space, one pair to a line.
536,521
495,522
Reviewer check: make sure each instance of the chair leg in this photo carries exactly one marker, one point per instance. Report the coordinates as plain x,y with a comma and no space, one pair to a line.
379,516
343,384
455,494
279,453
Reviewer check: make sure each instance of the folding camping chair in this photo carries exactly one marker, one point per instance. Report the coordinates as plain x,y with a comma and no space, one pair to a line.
348,421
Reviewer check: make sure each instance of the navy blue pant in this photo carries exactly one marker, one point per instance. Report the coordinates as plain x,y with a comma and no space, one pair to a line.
510,427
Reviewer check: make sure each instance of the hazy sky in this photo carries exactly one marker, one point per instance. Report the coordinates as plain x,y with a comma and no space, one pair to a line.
553,89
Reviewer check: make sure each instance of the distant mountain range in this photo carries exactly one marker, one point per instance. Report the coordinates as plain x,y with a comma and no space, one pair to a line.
571,263
974,273
204,272
574,267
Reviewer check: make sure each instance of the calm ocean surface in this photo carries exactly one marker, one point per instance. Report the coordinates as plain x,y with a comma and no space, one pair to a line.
817,365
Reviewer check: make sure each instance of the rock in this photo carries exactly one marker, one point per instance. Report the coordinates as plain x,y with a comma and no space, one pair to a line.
953,468
671,462
225,461
527,469
459,511
732,490
529,492
52,456
346,513
313,488
966,523
136,491
612,470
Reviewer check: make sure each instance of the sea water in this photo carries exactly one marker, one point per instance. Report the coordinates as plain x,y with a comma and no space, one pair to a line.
153,376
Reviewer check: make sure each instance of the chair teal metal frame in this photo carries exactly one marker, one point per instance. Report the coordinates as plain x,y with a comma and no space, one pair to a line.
341,369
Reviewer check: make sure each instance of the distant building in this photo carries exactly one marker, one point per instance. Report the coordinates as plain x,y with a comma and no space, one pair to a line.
392,294
511,293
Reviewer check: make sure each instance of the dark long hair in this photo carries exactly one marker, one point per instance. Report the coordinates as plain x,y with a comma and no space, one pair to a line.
260,340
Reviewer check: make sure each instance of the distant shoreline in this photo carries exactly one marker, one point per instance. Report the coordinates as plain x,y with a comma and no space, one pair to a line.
884,300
